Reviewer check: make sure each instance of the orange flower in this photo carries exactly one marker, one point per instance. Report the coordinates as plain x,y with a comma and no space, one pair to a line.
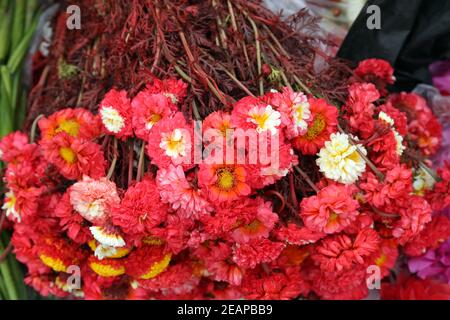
223,182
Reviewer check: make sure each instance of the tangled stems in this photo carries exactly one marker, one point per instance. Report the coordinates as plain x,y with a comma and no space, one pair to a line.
306,178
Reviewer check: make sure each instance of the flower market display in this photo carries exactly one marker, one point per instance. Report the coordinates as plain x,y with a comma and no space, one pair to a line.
168,155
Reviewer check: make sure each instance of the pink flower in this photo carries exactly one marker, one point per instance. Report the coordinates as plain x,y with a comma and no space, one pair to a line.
149,109
181,194
331,210
250,254
93,199
171,143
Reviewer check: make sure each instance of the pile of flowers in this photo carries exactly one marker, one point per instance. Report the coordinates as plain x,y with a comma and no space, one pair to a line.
139,201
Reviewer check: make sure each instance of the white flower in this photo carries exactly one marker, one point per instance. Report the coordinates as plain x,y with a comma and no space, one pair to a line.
422,181
174,143
339,159
106,237
103,251
399,139
266,118
112,119
10,206
383,116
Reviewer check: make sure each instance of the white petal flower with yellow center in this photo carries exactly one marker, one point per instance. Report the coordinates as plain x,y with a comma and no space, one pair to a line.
339,159
112,119
174,143
107,237
9,206
265,118
422,181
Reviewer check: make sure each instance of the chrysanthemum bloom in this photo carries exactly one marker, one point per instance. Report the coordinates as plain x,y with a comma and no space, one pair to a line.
439,197
423,126
102,251
141,209
22,204
253,113
415,213
108,235
285,285
77,123
339,252
116,114
331,210
399,117
147,262
12,146
92,199
107,267
219,122
176,279
398,138
433,235
9,205
173,89
339,159
294,109
343,285
265,173
322,123
260,226
296,235
180,193
149,109
171,142
397,185
71,222
385,149
74,157
223,182
359,108
59,254
376,71
412,288
248,255
216,258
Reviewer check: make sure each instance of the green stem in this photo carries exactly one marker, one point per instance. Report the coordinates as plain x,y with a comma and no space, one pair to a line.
8,278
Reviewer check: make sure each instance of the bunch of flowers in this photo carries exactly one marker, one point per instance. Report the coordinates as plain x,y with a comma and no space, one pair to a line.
286,196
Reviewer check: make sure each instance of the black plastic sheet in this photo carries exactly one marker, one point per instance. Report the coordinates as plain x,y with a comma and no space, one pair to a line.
413,34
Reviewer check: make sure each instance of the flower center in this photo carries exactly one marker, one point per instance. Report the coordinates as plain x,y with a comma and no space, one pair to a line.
68,155
265,119
154,118
71,127
174,144
54,263
225,179
253,227
157,267
380,260
316,127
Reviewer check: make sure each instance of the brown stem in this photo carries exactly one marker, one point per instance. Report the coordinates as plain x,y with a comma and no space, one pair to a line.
130,162
292,190
384,214
279,196
258,53
114,161
306,178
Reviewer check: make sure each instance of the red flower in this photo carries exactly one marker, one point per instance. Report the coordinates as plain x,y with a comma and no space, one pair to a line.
439,197
74,157
415,213
294,234
386,257
141,209
331,210
77,123
396,186
149,109
377,71
412,288
399,117
116,114
339,252
359,108
323,123
256,251
13,146
434,234
173,89
147,262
